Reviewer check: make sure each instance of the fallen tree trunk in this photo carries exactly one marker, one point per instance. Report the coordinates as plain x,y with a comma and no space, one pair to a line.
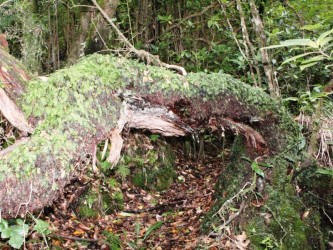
94,100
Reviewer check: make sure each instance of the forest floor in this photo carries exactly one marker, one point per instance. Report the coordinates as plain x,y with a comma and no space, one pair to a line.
173,222
149,220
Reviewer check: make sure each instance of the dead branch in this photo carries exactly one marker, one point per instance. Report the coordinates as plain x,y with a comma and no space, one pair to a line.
6,151
13,114
140,53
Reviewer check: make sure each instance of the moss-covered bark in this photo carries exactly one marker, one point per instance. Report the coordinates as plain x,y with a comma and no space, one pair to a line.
79,106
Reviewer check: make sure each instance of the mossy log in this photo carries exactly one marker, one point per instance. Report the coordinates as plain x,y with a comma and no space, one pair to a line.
78,107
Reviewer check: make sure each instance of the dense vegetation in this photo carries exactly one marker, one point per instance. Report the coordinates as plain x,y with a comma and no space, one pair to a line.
283,48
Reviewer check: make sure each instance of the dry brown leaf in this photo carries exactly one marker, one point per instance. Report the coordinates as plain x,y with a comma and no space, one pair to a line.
241,241
305,214
83,227
78,232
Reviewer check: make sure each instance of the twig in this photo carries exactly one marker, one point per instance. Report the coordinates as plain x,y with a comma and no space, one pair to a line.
4,152
232,31
140,53
214,4
100,36
328,216
104,149
72,238
4,3
25,203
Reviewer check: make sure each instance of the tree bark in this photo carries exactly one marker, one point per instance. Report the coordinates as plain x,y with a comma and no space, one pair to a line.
268,69
100,32
13,79
248,45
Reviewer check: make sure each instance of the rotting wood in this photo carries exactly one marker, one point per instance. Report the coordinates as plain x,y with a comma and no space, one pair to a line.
42,167
13,114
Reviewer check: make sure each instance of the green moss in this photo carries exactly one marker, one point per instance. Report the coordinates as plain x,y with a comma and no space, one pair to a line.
96,202
228,184
153,168
87,212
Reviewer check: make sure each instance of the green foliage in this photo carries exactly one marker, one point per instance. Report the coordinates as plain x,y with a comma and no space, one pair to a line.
139,241
122,171
156,172
42,227
325,171
15,233
308,101
17,230
320,49
152,228
154,137
113,240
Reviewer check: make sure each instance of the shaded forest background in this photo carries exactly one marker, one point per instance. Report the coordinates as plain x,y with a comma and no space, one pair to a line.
207,36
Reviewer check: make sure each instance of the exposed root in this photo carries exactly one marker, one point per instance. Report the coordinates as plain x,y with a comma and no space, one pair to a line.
6,151
253,137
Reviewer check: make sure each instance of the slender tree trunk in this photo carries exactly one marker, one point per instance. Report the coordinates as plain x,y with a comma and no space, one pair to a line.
248,45
268,69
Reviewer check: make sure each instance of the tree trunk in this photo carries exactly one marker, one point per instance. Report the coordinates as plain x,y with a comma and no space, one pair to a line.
268,69
100,32
248,45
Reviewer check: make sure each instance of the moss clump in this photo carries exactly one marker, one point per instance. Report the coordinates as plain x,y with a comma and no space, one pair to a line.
228,184
158,171
284,229
151,168
96,202
85,211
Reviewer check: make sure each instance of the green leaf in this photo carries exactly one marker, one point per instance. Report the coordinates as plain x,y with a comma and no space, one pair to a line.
42,227
302,67
255,167
314,59
6,233
294,58
20,230
16,241
295,99
301,144
265,165
154,137
234,209
325,41
325,171
299,42
3,225
152,228
322,36
311,27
